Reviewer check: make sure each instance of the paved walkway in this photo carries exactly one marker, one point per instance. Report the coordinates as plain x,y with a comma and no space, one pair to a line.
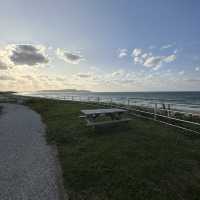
28,168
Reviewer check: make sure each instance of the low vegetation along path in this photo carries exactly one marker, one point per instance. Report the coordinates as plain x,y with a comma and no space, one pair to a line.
28,168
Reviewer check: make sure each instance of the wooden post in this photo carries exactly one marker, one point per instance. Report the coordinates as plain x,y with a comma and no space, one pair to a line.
155,111
168,110
128,102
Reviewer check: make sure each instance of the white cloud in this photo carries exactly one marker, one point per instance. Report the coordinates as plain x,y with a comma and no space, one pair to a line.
3,66
84,75
69,57
6,78
181,72
150,61
33,78
152,47
197,69
145,55
136,52
153,61
5,62
138,60
94,68
122,53
167,46
117,73
170,58
156,61
176,51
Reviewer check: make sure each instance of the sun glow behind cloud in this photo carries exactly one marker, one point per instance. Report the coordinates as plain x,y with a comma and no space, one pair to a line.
26,67
95,45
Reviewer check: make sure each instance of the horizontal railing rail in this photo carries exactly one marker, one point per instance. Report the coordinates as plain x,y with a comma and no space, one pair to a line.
159,109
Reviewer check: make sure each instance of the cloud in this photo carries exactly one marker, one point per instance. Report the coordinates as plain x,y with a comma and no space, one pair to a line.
153,61
152,47
150,61
138,60
167,46
3,66
60,79
144,56
193,80
122,53
128,81
69,57
117,73
176,51
197,69
6,78
136,52
181,72
27,54
84,75
28,77
169,58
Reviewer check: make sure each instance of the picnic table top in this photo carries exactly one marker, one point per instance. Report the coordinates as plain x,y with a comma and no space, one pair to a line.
103,111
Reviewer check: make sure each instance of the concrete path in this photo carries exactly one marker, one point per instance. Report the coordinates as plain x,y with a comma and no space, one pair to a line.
28,168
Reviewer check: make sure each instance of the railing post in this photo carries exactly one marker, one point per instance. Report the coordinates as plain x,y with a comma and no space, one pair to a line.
72,98
168,110
111,102
155,111
98,99
128,102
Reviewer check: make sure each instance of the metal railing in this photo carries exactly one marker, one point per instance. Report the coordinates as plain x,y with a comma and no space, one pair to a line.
169,113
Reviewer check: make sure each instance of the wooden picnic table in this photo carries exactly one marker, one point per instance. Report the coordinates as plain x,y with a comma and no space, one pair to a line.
114,113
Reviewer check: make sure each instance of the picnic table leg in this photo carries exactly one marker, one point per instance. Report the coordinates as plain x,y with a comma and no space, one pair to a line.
93,117
116,116
112,116
119,115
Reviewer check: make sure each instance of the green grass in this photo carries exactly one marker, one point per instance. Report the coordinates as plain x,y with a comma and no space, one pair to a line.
141,160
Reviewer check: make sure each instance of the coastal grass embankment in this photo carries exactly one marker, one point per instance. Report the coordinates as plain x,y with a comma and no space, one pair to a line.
141,160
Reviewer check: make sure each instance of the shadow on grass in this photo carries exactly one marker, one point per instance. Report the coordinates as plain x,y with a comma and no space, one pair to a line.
111,128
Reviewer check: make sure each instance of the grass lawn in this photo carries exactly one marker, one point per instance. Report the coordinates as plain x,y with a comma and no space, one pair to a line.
142,160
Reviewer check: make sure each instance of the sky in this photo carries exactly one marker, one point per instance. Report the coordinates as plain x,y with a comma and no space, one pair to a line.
107,45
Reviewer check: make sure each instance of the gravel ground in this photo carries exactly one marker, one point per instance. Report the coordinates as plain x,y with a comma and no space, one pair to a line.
28,166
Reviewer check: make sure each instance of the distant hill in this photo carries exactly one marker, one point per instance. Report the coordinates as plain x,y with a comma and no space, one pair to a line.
65,90
7,92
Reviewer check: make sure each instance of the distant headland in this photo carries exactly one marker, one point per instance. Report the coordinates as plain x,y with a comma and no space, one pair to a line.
66,90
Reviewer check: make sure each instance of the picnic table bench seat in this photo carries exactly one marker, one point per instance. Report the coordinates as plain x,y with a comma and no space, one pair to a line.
89,123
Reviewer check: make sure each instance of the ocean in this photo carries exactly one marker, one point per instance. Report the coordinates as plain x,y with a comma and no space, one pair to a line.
189,101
